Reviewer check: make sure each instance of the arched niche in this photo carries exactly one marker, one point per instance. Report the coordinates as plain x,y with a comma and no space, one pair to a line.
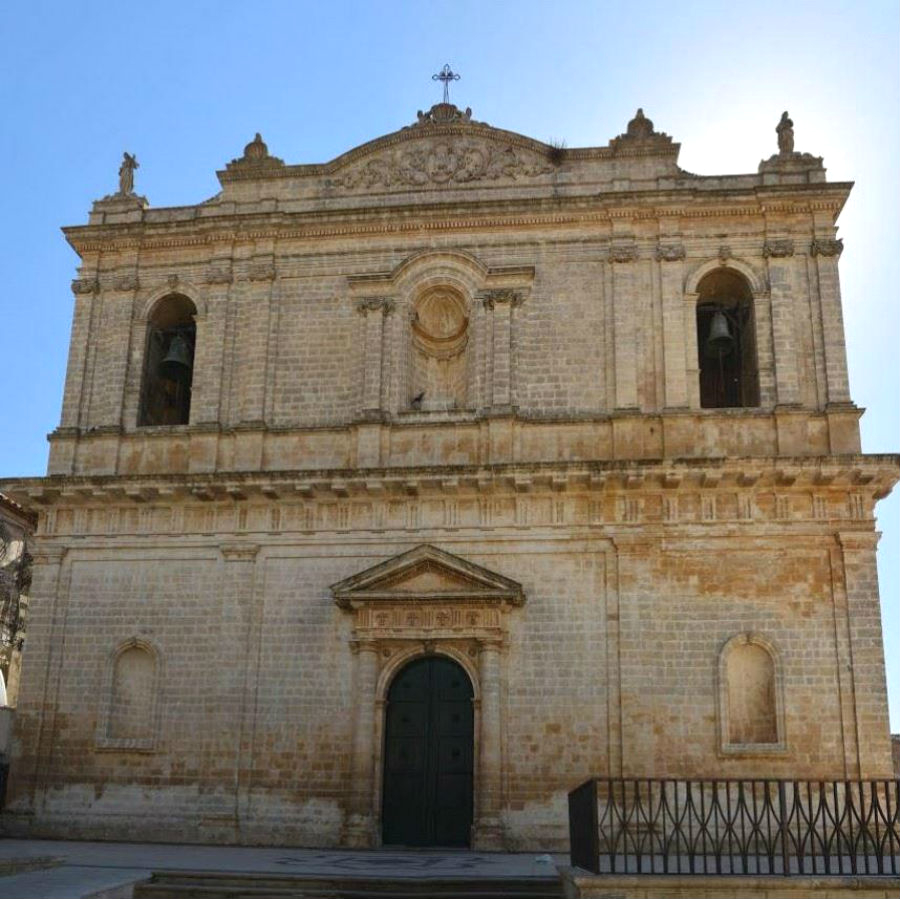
439,333
751,707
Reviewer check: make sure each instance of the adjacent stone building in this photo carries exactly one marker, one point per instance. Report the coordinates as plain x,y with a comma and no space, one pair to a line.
393,496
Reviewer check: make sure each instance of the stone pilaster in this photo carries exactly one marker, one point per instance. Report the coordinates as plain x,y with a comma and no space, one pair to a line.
866,654
671,272
779,254
374,311
488,826
38,698
241,626
826,253
359,829
499,306
253,335
622,259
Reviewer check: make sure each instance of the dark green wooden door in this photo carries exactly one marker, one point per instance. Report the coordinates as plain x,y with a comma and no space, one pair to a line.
428,756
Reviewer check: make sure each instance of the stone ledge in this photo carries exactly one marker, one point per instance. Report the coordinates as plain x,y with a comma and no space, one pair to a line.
579,884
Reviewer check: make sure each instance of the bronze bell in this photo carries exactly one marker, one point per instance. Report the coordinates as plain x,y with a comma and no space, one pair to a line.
719,342
176,366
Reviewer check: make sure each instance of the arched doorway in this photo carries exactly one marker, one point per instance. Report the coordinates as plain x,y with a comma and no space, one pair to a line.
428,755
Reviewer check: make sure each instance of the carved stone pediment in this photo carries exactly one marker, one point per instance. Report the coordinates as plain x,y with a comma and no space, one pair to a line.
442,159
424,576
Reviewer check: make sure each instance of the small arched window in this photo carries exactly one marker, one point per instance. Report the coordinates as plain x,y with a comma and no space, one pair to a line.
750,695
168,363
440,334
726,342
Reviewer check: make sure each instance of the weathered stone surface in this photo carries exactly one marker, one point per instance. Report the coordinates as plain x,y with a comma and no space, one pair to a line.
463,344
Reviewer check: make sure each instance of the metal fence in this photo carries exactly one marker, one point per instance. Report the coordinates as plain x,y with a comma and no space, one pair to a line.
735,826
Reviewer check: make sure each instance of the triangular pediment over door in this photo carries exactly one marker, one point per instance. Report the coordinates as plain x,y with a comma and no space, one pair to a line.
427,575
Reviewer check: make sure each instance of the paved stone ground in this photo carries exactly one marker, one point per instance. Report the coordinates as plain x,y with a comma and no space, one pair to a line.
107,870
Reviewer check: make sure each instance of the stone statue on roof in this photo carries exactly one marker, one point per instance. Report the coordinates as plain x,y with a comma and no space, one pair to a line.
126,174
785,129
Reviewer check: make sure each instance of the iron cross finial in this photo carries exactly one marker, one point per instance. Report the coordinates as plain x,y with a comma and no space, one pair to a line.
446,75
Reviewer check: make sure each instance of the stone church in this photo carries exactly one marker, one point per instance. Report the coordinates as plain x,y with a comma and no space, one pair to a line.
393,496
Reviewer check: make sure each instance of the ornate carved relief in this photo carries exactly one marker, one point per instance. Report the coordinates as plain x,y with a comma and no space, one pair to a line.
452,161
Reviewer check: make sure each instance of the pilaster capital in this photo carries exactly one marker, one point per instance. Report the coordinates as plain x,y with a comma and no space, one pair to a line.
859,541
48,553
492,298
127,282
670,252
219,272
360,645
826,246
262,268
622,254
779,249
239,552
375,304
81,286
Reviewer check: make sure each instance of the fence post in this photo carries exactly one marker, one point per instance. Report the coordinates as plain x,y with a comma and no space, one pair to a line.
782,817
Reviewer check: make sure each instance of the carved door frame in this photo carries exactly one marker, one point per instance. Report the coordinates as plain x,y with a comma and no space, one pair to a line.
419,603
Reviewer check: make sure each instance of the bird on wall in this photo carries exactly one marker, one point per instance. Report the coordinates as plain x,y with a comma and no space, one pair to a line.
416,401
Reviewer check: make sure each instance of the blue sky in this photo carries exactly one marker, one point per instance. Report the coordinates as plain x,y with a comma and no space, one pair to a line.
185,85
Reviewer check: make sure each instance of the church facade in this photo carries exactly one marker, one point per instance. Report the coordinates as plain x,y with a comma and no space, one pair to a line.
396,495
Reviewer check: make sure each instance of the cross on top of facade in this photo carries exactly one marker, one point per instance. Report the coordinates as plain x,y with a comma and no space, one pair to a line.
446,75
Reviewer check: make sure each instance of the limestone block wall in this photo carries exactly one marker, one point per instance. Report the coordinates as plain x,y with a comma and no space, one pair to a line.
603,324
610,667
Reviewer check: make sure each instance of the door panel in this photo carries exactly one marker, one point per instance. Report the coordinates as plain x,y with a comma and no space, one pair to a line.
428,755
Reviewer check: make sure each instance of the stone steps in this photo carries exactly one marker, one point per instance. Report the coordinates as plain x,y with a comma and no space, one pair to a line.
230,885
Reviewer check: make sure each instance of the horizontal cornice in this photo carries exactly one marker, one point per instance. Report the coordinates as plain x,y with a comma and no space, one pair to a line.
414,216
873,475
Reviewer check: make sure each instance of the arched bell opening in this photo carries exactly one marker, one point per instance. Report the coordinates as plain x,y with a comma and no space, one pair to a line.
726,342
168,363
428,776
